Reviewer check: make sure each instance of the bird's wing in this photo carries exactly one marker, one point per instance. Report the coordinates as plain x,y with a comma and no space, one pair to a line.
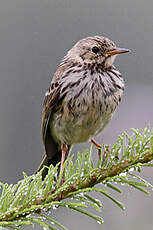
51,101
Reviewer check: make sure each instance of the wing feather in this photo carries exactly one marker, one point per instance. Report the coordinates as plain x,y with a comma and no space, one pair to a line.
53,100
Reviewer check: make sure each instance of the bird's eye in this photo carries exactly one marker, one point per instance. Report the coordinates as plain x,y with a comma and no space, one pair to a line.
95,49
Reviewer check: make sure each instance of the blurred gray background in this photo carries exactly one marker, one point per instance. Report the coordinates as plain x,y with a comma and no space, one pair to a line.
34,36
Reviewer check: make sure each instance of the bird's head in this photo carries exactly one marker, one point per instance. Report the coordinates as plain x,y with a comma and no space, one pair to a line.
95,49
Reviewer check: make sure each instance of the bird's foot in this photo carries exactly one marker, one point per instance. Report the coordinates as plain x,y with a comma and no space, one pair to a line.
106,151
98,146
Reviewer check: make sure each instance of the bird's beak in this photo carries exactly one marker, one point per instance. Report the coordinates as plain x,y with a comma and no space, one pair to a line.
117,51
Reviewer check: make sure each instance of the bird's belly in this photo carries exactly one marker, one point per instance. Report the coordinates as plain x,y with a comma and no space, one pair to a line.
81,126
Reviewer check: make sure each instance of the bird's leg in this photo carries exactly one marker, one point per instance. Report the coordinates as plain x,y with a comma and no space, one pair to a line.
98,146
64,151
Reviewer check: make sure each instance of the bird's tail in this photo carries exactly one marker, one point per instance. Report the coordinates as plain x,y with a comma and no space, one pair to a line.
47,162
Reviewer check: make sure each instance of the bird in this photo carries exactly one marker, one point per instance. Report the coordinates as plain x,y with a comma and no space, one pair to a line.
81,99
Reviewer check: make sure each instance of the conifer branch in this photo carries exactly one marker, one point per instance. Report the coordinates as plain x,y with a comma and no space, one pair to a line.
28,201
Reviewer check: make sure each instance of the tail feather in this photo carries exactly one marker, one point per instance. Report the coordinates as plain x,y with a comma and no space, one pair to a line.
46,161
56,158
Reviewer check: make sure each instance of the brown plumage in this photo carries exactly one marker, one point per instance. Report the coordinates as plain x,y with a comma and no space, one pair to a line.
82,97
